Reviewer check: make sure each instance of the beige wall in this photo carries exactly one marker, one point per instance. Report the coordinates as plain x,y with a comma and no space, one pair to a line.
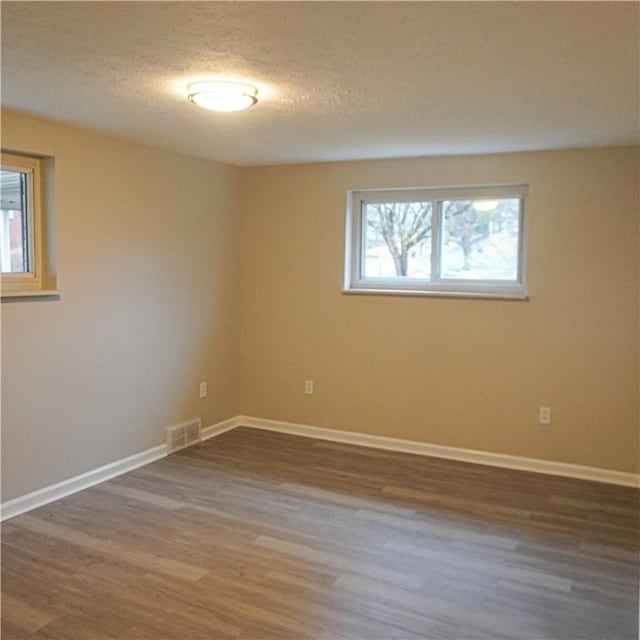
147,256
465,373
150,255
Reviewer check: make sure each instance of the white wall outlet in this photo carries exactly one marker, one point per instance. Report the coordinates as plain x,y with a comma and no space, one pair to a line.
308,387
203,389
544,415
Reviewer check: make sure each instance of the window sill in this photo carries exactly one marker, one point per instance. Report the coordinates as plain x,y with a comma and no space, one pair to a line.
26,295
438,294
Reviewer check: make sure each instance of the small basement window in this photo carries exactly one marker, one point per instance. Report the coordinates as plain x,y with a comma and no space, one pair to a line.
456,241
21,242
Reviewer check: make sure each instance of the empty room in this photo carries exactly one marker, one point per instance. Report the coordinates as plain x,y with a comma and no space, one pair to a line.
320,320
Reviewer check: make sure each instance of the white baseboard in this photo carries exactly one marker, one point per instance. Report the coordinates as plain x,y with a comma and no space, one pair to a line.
452,453
53,492
38,498
219,428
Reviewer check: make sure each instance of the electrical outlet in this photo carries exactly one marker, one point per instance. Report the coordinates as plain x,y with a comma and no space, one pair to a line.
308,387
203,389
544,415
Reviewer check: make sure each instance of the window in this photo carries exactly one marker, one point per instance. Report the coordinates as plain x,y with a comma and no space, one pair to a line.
466,241
20,228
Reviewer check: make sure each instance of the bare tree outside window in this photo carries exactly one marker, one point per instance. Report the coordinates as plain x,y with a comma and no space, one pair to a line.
486,232
401,231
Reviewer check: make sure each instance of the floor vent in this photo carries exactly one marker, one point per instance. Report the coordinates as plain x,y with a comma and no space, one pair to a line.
183,435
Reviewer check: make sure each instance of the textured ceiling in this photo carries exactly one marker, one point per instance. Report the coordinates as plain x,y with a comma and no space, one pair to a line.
338,80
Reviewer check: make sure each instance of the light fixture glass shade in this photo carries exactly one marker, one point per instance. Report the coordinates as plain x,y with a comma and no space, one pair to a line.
485,205
222,96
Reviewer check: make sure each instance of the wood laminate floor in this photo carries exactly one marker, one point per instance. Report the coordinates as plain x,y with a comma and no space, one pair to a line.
257,536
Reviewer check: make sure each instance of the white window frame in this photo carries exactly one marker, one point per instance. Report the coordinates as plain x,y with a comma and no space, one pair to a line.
29,281
356,282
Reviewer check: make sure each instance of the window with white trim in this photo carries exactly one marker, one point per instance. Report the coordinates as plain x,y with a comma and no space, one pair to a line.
21,224
466,241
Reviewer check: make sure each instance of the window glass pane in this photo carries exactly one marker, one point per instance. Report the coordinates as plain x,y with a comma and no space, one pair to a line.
13,227
480,239
396,239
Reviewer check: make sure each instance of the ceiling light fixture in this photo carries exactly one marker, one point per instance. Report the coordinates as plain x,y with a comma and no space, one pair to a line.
485,205
222,96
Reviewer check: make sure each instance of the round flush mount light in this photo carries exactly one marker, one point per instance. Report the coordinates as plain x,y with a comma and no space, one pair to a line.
485,205
222,96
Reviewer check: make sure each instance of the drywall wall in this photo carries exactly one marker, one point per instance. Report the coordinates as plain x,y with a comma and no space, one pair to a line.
147,267
459,372
150,255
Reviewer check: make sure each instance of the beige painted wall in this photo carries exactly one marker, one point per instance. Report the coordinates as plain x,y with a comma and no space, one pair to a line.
147,256
466,373
150,253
